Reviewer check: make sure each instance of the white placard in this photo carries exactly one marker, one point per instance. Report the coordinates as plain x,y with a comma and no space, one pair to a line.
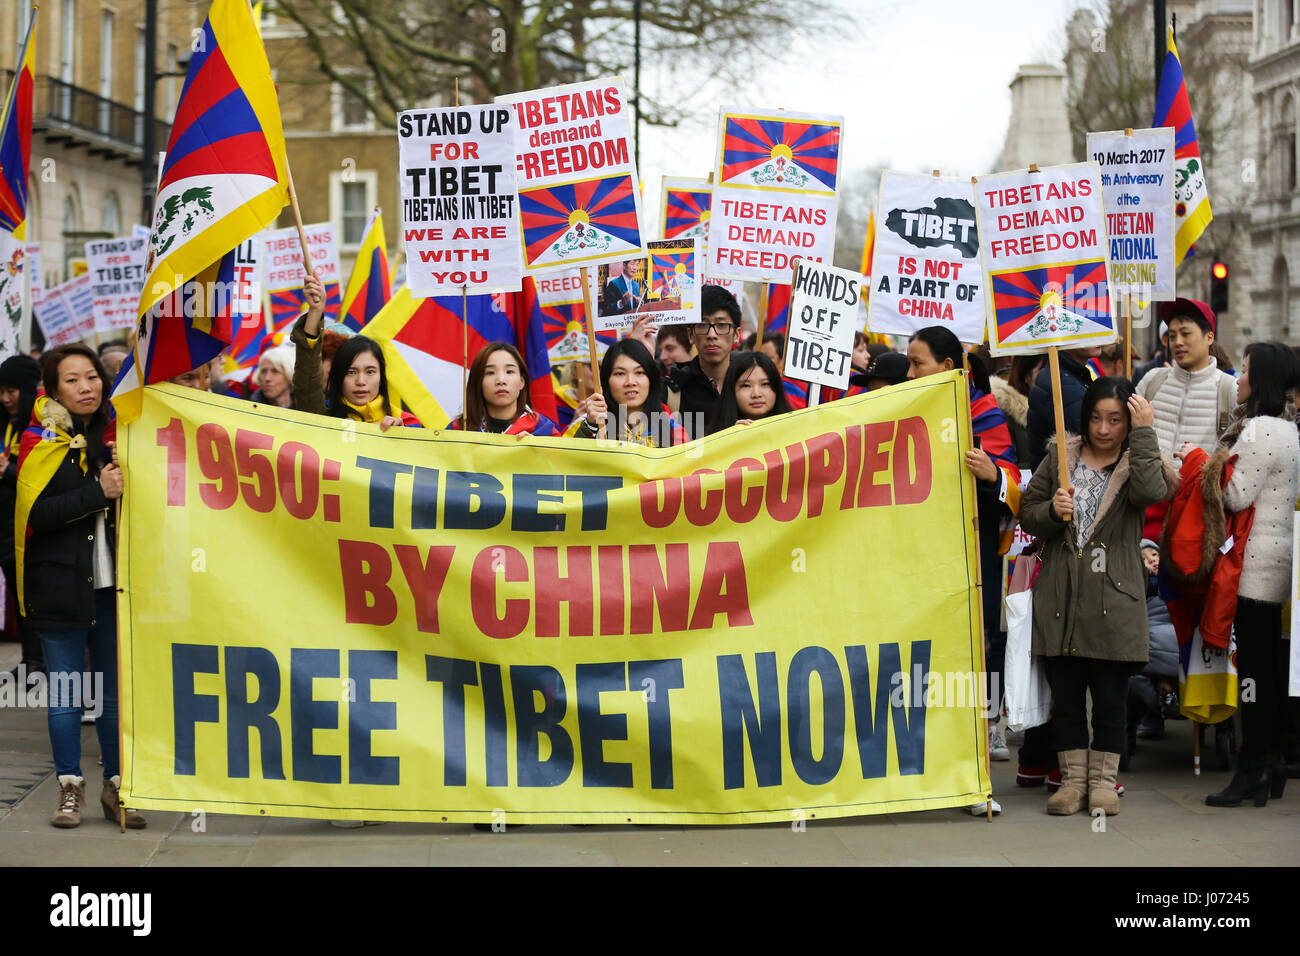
823,317
116,270
459,223
1137,191
283,257
663,286
774,196
579,201
925,268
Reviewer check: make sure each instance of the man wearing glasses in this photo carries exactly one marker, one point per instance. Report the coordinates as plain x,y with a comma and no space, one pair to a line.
699,381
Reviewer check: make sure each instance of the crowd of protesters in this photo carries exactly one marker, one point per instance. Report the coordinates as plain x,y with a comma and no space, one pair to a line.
1108,636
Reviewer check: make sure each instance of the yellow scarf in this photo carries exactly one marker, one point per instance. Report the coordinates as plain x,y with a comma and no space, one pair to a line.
372,411
43,458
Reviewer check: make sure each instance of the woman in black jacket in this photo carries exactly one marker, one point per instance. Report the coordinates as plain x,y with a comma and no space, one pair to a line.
68,483
19,377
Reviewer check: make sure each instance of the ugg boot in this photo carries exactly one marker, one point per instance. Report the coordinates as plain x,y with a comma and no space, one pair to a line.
112,804
1073,794
1103,769
72,795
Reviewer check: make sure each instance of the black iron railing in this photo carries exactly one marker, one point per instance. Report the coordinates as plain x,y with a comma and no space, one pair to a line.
60,107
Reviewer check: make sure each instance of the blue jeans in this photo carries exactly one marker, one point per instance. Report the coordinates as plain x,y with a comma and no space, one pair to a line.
70,690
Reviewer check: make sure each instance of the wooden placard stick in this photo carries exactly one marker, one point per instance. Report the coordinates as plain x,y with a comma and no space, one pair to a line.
297,219
589,320
763,291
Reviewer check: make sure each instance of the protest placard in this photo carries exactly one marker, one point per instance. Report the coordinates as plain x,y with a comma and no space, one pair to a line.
32,261
458,200
774,192
559,296
684,208
823,317
283,273
116,270
925,267
579,204
12,278
67,312
663,286
1137,192
1043,242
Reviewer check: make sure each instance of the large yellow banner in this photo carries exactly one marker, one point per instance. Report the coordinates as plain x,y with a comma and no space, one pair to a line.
778,622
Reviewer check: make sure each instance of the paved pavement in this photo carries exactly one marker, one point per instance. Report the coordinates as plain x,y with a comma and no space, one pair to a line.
1163,821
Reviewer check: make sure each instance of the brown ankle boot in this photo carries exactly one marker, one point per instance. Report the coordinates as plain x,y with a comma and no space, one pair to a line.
1073,794
72,795
112,805
1103,769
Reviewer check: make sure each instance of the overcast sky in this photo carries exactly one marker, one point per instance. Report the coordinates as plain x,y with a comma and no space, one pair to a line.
922,84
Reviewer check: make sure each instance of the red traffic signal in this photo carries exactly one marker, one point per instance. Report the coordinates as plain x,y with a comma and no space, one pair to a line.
1219,287
1220,270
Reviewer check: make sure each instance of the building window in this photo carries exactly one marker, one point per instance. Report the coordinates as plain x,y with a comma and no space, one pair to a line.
173,66
352,199
112,215
1288,20
1285,140
105,67
349,111
138,102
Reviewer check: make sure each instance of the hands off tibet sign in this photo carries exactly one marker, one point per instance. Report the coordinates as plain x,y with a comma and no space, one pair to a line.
579,204
1043,242
458,200
823,317
926,268
1137,190
774,196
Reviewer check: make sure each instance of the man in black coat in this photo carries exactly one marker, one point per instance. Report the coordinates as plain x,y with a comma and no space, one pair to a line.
1075,379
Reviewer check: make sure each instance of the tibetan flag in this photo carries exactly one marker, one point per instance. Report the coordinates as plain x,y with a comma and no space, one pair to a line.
575,223
425,349
1191,197
248,343
778,308
223,181
685,210
1047,304
794,155
287,305
16,140
796,393
566,336
368,288
670,273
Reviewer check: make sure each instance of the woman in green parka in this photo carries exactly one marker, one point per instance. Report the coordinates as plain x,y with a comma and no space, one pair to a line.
1090,613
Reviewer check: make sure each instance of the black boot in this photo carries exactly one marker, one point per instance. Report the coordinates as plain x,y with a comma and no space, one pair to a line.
1277,774
1250,781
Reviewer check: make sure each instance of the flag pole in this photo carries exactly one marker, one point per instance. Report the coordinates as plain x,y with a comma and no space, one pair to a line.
763,290
589,320
297,219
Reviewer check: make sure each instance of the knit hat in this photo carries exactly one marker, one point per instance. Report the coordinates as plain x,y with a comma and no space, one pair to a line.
1148,543
21,372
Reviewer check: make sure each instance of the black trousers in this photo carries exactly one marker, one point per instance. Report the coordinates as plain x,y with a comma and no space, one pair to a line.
1262,667
1072,678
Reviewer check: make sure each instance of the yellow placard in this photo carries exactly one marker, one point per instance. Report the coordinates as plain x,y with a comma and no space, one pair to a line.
777,622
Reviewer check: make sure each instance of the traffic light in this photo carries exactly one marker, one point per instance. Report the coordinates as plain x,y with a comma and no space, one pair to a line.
1219,287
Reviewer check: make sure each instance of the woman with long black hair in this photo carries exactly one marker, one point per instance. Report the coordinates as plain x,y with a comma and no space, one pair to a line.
932,351
357,387
630,380
751,391
1266,475
64,536
496,397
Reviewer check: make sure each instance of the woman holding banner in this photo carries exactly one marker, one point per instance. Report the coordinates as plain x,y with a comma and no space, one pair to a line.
992,461
630,377
752,390
1090,613
357,387
495,396
65,537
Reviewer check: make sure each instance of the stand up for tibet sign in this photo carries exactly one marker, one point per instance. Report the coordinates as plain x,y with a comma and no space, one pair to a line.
925,269
116,269
1137,191
774,193
1043,241
823,317
458,200
578,199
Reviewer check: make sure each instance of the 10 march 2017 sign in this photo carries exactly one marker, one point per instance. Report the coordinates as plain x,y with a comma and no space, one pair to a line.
567,632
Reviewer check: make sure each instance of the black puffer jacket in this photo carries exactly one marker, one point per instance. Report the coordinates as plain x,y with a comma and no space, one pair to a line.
58,577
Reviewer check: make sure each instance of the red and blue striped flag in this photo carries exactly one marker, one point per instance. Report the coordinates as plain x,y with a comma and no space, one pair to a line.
16,140
1192,211
368,288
